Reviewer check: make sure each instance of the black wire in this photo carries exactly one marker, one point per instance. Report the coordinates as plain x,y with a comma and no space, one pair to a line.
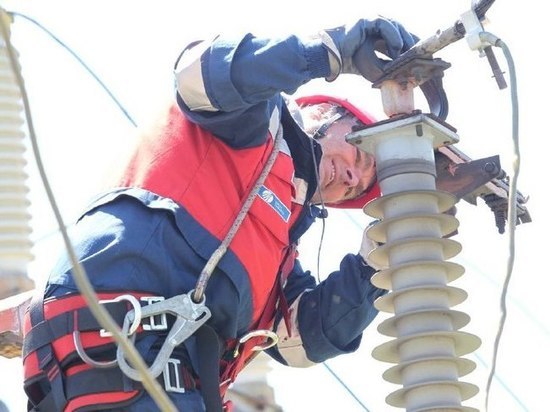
482,7
324,211
57,40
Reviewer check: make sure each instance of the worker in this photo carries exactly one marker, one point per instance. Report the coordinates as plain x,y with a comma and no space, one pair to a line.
237,162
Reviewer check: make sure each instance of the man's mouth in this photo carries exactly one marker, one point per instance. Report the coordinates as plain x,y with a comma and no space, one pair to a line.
332,174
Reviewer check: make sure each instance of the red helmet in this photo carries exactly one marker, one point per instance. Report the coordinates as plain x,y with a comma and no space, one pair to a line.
366,118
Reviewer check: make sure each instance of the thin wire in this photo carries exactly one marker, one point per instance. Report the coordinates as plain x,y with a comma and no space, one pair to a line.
504,385
86,67
524,309
346,387
318,181
512,198
81,279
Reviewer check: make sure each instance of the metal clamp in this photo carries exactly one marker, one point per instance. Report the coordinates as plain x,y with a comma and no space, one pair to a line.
103,333
264,333
189,317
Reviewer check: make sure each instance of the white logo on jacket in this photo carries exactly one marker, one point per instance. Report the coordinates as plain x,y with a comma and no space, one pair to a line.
276,204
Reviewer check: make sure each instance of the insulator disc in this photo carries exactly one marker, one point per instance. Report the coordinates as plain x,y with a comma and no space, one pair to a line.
382,279
464,343
376,207
455,295
467,391
447,224
389,326
464,366
449,248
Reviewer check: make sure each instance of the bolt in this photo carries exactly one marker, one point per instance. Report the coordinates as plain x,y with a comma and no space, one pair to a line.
490,168
500,220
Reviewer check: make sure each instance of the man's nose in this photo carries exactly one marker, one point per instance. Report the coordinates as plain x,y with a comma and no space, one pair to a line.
352,177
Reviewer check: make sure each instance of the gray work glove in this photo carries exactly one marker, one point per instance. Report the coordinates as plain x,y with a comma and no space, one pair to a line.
351,48
367,246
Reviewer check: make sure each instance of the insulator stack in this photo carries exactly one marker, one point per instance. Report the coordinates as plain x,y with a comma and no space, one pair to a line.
427,345
15,219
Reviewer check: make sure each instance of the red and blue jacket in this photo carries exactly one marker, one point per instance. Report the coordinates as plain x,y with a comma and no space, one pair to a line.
184,185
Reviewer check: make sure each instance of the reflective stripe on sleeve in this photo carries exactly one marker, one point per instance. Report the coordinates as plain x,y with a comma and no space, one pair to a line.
189,78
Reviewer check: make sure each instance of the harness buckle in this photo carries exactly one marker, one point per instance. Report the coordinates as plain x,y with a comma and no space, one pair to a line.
156,322
271,336
189,317
173,381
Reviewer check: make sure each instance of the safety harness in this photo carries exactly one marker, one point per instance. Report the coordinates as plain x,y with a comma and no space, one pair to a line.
71,364
61,335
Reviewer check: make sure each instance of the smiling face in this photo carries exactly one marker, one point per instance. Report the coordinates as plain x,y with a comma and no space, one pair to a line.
345,172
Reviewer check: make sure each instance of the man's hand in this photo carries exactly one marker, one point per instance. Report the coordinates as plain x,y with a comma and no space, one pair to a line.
367,246
352,48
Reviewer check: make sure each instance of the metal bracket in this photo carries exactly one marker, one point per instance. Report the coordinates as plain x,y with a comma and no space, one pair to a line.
471,179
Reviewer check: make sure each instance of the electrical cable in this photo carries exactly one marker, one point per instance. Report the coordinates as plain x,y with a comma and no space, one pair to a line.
346,387
521,307
105,320
504,385
72,53
512,198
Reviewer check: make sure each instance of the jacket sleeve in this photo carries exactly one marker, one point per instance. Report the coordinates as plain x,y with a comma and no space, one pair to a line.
233,86
327,320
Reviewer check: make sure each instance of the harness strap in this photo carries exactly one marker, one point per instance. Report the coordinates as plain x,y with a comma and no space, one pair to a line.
208,354
54,396
286,268
247,352
113,380
66,323
48,390
49,346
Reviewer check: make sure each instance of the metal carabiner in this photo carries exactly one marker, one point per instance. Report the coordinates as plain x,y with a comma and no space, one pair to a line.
130,332
189,317
272,337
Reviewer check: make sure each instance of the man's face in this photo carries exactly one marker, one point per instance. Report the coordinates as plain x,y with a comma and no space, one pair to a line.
344,171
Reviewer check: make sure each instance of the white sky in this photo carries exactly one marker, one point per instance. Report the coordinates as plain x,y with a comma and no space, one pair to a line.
131,46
